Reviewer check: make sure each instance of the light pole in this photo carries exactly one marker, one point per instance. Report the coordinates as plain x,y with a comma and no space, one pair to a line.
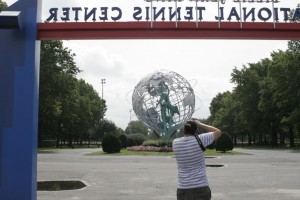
130,112
102,82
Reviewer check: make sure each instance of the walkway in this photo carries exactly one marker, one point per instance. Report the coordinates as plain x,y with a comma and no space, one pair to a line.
263,175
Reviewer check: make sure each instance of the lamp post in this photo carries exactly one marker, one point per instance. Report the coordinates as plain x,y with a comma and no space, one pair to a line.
130,112
103,82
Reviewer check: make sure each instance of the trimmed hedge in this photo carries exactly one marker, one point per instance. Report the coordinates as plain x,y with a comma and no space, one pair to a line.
111,143
224,143
124,141
150,148
157,143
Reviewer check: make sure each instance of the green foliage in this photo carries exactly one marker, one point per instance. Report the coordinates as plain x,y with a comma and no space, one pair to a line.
120,131
216,104
264,106
223,111
157,143
136,127
3,5
108,126
111,143
58,90
124,140
135,139
224,143
69,109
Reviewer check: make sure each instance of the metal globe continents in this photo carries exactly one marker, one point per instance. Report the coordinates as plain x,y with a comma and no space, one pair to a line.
163,101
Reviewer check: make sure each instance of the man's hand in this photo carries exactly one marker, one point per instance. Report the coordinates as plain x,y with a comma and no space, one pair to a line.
216,132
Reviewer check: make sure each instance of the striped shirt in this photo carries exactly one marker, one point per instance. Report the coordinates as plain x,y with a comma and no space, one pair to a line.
191,161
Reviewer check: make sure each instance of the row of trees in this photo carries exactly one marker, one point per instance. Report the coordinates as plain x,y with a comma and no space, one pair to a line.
69,109
264,106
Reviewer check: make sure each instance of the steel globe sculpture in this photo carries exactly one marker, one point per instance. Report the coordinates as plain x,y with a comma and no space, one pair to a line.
163,101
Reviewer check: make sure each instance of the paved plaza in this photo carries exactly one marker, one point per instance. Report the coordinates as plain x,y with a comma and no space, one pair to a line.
262,175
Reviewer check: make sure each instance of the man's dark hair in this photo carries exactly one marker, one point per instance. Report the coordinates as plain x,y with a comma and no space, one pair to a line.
190,127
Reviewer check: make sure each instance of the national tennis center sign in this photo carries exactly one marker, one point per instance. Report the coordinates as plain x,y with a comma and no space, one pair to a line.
181,10
163,19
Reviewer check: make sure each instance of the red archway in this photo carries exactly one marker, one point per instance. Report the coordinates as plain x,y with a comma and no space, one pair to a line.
169,30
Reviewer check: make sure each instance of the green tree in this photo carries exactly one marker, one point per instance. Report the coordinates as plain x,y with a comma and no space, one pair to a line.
91,111
111,143
68,117
124,140
135,139
224,117
247,93
120,131
239,126
224,143
264,104
136,127
3,5
70,109
285,87
108,126
216,104
293,119
57,88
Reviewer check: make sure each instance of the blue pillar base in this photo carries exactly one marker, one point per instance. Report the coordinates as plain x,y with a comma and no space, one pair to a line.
19,80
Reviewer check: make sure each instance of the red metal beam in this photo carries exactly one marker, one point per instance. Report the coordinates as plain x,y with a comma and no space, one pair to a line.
168,30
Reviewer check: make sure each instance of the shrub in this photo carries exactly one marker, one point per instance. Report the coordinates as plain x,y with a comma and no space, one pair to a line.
123,139
150,148
111,143
224,143
135,139
157,143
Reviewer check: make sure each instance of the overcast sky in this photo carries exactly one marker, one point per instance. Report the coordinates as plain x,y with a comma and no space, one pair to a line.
206,64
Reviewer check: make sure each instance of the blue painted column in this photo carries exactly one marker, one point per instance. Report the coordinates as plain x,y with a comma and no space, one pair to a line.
19,80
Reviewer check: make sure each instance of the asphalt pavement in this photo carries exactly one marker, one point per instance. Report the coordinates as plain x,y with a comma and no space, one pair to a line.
261,175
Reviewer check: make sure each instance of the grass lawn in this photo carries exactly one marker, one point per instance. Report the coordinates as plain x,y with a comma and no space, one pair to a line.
52,149
208,152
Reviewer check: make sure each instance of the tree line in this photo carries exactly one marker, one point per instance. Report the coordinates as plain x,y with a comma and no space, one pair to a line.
264,106
70,110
